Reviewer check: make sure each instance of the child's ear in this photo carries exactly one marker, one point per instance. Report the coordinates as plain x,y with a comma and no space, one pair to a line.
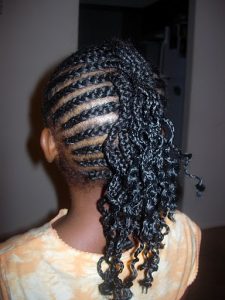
48,145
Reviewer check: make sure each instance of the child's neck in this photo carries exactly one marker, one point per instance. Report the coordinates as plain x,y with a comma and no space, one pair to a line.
81,228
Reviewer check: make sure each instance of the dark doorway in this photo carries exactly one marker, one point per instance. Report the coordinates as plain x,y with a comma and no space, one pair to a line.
157,28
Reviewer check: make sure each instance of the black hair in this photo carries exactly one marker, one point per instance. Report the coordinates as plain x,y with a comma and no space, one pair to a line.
104,106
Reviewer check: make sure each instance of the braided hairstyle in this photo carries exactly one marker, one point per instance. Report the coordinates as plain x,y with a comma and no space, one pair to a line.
104,107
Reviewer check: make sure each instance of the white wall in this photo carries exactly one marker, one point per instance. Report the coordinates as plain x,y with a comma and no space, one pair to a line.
35,35
206,110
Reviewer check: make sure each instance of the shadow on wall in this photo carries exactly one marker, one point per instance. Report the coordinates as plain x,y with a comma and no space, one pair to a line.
33,142
37,157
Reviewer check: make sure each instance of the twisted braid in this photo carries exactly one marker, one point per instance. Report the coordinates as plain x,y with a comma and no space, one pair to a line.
140,161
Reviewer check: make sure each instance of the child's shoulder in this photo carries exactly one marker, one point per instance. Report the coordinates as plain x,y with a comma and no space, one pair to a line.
184,229
33,240
26,240
183,220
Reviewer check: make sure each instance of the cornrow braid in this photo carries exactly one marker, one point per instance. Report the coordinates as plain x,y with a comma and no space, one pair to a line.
91,132
104,106
79,84
82,99
91,113
88,150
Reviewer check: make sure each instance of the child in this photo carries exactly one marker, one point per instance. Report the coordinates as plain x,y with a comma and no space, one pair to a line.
122,237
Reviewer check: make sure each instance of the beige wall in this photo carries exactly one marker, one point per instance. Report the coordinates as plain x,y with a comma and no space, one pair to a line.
35,35
205,111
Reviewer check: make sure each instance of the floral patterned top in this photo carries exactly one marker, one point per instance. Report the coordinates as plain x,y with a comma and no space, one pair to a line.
38,265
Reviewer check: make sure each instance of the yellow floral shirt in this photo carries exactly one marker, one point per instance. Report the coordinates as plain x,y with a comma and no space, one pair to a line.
38,265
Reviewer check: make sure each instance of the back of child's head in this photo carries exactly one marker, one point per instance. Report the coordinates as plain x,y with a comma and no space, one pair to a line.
106,113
